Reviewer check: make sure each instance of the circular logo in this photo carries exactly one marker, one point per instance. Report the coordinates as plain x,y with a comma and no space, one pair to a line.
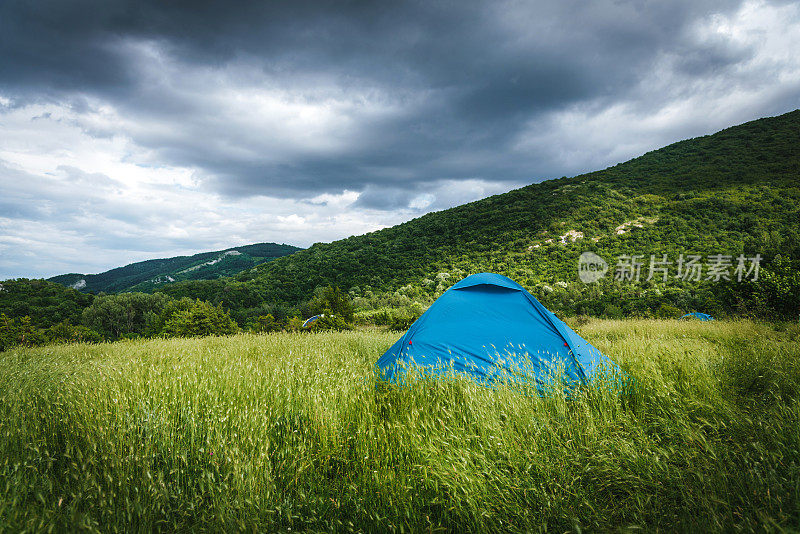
591,267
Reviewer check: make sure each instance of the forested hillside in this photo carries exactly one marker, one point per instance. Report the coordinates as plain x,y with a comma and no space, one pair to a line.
150,274
732,193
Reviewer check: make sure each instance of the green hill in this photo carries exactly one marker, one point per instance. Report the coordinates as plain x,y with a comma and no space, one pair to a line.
149,275
734,193
731,193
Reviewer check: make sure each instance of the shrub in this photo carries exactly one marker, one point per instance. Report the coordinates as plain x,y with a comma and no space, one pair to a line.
65,332
612,311
294,323
665,311
264,323
331,301
201,319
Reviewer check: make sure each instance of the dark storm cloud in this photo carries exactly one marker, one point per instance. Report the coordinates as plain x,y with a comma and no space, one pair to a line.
384,197
462,80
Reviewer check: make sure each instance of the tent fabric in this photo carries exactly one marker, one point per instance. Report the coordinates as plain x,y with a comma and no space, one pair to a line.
488,324
698,315
308,323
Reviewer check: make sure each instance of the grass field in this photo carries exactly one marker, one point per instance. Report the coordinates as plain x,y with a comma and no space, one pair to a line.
288,431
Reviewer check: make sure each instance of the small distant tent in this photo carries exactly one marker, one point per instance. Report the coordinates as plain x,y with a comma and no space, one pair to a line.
698,315
308,323
486,324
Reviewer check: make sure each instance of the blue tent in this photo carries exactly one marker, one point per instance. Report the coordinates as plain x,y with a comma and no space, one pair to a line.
308,323
698,315
486,324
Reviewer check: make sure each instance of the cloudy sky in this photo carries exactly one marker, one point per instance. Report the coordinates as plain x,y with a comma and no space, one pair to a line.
144,129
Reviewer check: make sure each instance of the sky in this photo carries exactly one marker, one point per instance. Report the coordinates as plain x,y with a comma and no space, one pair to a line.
132,130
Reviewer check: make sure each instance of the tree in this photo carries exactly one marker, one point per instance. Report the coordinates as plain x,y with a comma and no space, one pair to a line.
127,313
19,332
264,323
332,301
201,319
665,311
46,303
294,323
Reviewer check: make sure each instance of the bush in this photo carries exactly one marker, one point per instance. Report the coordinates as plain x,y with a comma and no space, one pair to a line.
65,332
331,301
294,323
264,323
610,311
402,322
665,311
201,319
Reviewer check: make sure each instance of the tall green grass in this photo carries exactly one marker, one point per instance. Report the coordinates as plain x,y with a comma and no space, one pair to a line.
288,431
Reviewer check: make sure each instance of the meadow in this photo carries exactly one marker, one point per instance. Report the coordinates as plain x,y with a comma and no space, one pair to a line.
288,431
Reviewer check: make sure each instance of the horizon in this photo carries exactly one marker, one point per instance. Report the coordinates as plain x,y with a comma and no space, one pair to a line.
150,131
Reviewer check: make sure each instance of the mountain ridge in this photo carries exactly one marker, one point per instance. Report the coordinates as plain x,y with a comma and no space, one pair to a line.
147,275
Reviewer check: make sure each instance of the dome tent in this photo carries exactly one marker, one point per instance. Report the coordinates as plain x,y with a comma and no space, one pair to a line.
488,324
698,315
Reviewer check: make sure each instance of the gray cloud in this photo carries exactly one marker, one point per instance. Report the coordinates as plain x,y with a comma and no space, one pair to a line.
400,102
464,76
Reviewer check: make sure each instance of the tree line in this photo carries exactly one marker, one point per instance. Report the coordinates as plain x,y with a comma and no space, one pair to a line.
37,312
